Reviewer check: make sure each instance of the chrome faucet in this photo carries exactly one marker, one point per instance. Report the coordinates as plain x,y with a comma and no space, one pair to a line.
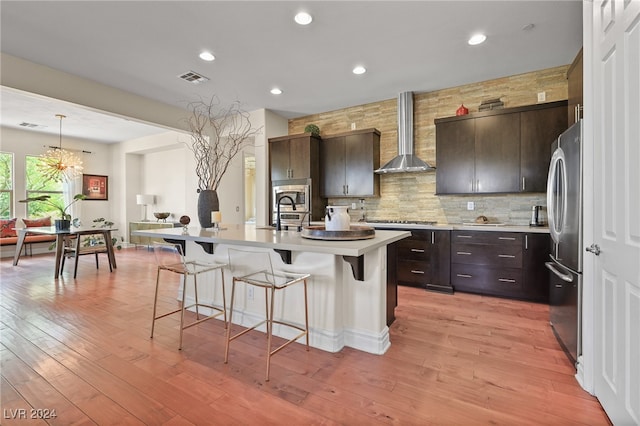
278,226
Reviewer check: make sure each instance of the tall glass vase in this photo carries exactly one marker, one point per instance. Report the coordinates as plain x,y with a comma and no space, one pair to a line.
207,203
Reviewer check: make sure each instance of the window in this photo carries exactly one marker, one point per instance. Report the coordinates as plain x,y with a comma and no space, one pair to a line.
38,185
6,185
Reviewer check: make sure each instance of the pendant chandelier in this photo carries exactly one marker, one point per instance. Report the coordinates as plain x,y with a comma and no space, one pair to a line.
58,164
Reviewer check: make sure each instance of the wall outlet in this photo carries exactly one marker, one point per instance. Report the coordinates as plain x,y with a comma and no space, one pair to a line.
542,96
471,205
353,206
353,126
250,292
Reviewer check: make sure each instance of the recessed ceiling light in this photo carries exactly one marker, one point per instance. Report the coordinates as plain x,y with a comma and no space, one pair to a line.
359,70
303,18
207,56
276,91
477,39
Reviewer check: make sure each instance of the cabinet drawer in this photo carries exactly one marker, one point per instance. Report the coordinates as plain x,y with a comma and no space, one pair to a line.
487,280
413,249
487,237
413,272
507,256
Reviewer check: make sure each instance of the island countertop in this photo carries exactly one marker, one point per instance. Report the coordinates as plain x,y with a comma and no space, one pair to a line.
266,237
348,287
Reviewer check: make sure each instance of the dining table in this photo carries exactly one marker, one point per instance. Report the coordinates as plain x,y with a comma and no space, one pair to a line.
61,235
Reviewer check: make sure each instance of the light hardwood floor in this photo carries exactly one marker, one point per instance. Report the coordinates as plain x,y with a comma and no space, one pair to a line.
81,347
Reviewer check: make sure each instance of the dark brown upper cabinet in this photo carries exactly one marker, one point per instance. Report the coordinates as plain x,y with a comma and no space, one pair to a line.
499,151
348,161
294,157
538,129
575,90
455,157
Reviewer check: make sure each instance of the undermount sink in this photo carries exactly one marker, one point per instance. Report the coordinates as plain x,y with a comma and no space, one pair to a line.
273,228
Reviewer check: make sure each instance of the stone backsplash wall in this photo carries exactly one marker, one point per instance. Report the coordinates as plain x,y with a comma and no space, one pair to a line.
411,196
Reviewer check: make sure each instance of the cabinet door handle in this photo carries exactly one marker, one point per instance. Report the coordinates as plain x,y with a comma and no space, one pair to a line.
509,256
507,238
576,112
413,271
417,250
526,242
465,236
506,280
465,253
477,185
464,275
523,185
347,186
433,238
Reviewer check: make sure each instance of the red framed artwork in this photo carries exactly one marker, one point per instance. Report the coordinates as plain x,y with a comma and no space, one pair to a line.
95,187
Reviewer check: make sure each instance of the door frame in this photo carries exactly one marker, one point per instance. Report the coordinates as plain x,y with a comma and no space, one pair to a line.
586,364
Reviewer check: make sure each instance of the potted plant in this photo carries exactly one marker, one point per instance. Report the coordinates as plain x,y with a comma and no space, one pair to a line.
65,218
93,240
313,129
218,134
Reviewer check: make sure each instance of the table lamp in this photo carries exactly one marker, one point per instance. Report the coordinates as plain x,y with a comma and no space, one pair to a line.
145,200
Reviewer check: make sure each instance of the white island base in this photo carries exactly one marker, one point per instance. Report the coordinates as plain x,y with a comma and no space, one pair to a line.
343,310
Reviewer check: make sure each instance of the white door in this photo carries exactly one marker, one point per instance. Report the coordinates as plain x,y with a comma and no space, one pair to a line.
616,206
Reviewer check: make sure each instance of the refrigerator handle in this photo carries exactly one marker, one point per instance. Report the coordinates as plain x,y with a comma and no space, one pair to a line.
557,206
564,277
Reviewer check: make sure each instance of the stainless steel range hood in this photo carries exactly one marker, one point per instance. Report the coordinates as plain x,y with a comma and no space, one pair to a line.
405,161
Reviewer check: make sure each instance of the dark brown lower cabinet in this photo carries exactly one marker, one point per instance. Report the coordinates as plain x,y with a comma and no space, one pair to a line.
423,260
505,264
535,273
392,283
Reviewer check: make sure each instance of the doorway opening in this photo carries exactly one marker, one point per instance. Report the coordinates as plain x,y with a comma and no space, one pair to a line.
249,188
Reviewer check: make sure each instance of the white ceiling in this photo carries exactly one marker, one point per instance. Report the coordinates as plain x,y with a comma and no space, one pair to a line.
142,47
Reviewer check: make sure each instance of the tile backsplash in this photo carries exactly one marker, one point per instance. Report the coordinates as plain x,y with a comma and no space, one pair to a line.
420,203
411,196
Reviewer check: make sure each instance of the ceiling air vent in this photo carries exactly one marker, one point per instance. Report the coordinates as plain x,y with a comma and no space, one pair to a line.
32,125
193,77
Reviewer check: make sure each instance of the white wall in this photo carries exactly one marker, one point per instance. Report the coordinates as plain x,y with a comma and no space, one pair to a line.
24,75
31,142
160,165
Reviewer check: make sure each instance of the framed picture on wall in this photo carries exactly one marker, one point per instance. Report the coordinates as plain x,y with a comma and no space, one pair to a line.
95,187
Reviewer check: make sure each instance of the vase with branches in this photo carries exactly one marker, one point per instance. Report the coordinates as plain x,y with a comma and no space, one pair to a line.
218,134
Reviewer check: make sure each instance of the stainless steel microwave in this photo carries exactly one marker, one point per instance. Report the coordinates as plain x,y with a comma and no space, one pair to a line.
300,194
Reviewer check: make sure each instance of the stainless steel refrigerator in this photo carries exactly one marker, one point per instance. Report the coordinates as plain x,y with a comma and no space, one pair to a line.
564,214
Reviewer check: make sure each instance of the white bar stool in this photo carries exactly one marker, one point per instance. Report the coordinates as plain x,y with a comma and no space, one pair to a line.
170,257
264,277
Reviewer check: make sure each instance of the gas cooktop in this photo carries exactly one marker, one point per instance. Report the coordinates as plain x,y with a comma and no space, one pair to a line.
403,222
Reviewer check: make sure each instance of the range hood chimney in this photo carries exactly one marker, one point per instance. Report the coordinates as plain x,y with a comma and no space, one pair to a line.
405,161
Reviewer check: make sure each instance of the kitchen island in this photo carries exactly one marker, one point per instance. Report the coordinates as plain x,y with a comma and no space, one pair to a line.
347,288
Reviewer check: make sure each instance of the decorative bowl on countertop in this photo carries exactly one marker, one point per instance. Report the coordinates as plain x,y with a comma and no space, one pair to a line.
161,216
354,233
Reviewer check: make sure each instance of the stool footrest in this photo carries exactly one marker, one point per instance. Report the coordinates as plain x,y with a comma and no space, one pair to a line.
293,339
217,314
246,330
